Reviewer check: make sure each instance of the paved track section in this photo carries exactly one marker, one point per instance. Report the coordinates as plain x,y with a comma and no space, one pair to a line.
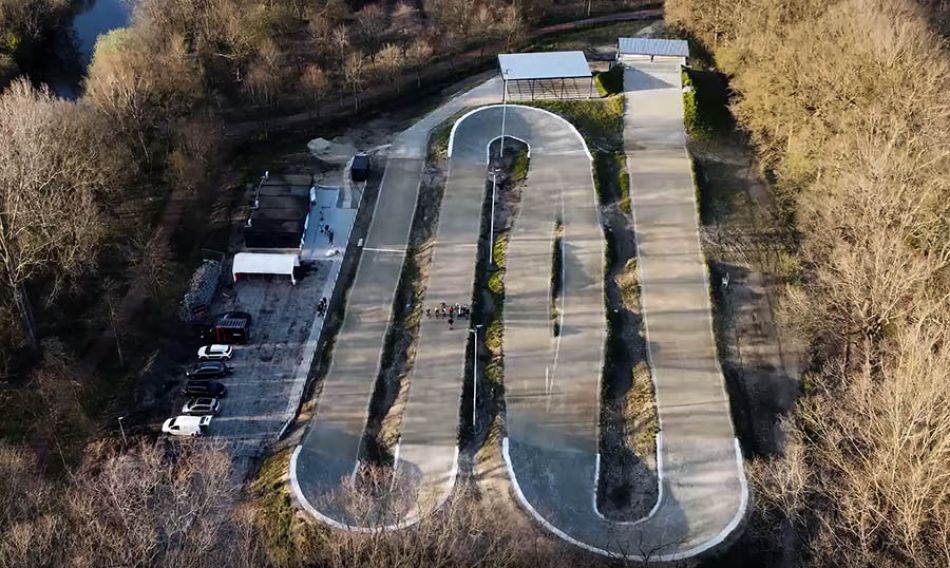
553,388
330,451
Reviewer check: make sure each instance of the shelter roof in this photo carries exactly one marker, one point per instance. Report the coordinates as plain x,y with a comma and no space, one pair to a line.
653,46
548,65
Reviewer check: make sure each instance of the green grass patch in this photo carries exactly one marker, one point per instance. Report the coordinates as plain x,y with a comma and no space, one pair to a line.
520,169
705,105
500,250
439,138
493,335
599,121
641,408
610,173
609,82
496,283
279,530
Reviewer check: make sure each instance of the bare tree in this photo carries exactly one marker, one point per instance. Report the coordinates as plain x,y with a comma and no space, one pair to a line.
418,56
55,158
390,59
372,23
341,42
139,80
354,73
512,25
314,83
149,254
862,482
144,508
265,75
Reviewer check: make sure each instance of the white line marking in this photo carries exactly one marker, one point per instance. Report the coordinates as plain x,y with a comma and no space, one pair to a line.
699,549
393,250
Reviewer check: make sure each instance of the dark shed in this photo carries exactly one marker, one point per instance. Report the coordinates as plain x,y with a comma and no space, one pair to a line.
360,169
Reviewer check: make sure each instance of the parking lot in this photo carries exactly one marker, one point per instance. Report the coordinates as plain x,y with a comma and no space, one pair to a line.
265,376
270,370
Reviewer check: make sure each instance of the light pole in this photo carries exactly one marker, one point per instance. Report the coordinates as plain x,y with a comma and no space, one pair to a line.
125,442
474,376
504,111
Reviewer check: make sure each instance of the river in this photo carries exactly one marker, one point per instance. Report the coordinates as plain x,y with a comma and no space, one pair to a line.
70,52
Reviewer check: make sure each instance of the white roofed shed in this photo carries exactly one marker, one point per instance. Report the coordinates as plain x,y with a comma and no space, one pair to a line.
554,74
246,263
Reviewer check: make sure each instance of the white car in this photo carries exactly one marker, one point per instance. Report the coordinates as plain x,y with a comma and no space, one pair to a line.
215,352
202,406
186,425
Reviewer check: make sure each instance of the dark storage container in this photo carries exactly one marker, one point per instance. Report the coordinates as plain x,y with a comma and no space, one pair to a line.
360,169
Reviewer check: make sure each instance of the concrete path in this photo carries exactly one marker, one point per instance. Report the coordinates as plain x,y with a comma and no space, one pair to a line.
330,451
552,389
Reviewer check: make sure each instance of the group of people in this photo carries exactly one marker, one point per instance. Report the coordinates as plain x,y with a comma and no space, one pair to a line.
326,230
443,310
322,307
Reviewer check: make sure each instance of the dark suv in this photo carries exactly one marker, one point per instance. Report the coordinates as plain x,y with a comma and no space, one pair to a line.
208,370
214,389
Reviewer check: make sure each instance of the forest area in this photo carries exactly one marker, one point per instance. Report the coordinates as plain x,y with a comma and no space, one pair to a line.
846,104
83,186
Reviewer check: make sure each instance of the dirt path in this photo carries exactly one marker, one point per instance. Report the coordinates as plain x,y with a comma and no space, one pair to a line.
432,76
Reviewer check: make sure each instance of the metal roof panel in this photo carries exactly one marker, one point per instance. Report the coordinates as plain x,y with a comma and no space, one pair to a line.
548,65
653,46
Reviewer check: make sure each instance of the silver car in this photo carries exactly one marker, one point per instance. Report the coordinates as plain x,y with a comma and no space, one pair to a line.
203,406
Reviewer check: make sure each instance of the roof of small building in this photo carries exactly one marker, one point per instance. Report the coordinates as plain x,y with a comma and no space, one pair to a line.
548,65
653,46
264,263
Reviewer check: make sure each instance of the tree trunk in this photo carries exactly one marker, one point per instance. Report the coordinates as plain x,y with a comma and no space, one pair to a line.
26,315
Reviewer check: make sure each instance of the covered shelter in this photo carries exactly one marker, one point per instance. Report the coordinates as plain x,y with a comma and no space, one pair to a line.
277,221
246,263
640,48
549,75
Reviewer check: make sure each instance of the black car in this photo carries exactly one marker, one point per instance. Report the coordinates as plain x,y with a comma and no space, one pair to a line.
213,389
208,370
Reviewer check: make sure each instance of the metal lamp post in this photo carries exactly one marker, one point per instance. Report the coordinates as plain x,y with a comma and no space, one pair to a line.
474,376
125,442
504,111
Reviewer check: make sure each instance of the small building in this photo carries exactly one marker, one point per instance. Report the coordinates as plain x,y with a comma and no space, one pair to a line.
277,221
549,75
653,49
270,264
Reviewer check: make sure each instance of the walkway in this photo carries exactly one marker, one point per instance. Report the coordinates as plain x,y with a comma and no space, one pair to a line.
330,451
